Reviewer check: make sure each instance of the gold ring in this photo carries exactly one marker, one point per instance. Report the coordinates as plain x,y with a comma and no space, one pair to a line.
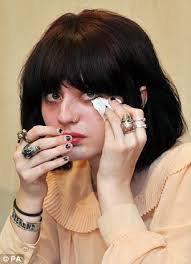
22,135
127,123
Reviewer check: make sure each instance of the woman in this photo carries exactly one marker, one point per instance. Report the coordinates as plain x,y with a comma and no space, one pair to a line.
102,155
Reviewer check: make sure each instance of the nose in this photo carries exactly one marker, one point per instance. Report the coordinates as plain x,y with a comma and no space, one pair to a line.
68,112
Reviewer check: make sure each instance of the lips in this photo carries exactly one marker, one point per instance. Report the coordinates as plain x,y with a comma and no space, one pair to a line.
75,135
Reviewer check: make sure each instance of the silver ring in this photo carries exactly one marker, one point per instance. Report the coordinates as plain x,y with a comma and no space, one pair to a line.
140,119
140,126
29,151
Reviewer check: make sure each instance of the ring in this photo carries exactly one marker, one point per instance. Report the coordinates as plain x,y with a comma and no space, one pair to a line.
127,123
140,119
29,151
140,123
22,135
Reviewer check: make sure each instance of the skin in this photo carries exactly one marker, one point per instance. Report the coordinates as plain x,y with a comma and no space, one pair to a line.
103,147
73,111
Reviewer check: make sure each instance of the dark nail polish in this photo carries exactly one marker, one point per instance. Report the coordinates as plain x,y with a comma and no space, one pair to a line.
66,158
112,98
68,146
60,130
68,138
106,106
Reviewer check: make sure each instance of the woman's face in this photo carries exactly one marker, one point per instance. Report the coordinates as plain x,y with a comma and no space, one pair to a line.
73,111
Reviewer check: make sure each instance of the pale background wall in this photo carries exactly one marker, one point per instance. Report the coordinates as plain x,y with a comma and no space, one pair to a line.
21,24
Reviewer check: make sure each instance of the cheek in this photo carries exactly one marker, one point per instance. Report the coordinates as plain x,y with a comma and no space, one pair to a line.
49,116
96,122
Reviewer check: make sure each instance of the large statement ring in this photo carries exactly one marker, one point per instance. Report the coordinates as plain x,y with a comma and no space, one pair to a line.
127,123
29,151
22,135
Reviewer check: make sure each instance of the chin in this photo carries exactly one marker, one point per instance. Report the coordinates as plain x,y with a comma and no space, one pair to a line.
81,152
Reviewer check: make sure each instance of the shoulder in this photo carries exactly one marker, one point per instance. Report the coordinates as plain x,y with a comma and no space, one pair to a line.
178,157
170,162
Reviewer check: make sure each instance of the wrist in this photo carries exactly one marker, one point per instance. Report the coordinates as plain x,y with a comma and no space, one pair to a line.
121,194
27,203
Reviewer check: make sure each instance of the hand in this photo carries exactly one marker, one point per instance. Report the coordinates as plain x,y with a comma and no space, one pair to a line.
32,172
120,154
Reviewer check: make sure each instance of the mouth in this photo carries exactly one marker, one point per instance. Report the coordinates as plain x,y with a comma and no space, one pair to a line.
76,140
76,137
74,134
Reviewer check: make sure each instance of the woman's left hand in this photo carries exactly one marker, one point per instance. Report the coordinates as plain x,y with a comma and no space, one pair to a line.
119,156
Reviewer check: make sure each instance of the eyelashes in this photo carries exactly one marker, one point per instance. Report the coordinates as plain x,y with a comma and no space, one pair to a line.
55,96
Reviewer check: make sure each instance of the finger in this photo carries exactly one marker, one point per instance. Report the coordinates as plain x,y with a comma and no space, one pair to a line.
140,132
34,173
42,131
50,154
115,123
109,136
118,108
136,113
51,142
139,135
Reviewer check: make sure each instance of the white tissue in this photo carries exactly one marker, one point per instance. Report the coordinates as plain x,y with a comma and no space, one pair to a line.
100,104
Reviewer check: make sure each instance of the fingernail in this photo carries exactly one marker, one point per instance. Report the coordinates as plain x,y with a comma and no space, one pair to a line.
68,146
66,158
59,130
68,138
112,98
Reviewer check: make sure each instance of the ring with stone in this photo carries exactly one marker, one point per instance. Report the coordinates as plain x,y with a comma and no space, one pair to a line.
29,151
127,123
22,135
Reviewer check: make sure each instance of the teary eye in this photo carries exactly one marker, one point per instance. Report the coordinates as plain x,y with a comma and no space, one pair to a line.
91,95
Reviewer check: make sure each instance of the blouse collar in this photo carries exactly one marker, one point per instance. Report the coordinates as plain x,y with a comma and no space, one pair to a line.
73,204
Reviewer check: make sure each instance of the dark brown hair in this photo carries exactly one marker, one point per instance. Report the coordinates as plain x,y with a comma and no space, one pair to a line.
104,52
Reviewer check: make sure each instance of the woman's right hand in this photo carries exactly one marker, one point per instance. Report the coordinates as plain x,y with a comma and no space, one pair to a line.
54,147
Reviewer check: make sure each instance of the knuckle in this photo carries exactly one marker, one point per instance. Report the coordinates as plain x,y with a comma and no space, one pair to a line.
58,150
139,112
16,155
144,138
58,140
132,144
26,178
122,148
126,107
62,149
18,167
42,155
36,130
43,168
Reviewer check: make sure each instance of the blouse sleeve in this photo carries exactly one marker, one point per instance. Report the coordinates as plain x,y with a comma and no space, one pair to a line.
45,250
168,239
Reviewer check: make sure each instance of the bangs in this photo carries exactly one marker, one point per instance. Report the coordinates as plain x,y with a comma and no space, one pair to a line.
86,62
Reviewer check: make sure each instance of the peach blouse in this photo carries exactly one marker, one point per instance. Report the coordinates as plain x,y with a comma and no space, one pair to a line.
155,229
